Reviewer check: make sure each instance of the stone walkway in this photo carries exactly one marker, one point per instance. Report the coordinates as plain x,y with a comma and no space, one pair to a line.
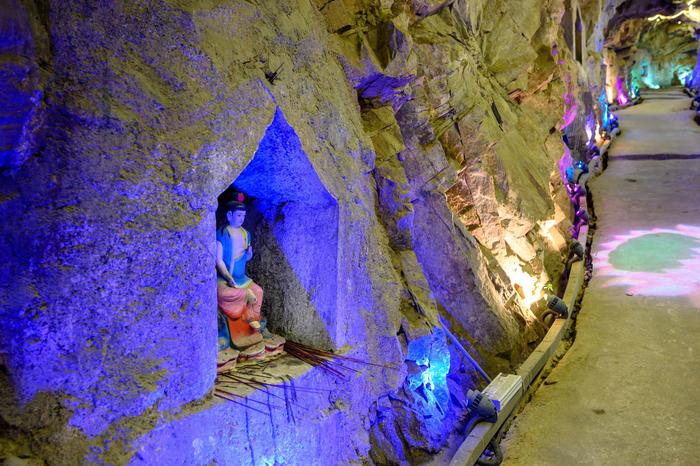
628,390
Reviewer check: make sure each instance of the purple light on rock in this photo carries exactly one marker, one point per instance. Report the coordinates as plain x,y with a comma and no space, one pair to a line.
385,89
622,97
564,163
590,129
575,192
570,109
580,219
297,224
694,81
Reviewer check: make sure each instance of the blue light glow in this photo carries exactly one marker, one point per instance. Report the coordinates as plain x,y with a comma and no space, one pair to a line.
299,226
684,74
634,82
432,358
694,80
649,80
634,90
605,115
570,174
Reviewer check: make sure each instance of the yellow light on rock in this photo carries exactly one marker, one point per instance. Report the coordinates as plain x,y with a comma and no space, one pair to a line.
690,12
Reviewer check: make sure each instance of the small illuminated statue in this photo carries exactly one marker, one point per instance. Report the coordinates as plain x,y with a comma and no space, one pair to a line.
238,297
242,331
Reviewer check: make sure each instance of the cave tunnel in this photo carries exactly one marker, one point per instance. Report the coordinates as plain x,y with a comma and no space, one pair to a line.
498,249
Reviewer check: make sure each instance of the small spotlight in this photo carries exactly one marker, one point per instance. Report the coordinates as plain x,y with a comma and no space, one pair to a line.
577,249
558,306
582,215
481,406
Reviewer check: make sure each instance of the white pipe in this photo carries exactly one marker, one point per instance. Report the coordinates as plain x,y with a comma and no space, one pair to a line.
464,351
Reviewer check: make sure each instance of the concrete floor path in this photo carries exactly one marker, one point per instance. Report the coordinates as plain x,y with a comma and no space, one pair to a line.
628,391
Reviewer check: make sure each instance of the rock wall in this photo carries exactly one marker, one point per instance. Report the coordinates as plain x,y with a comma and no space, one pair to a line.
666,55
401,160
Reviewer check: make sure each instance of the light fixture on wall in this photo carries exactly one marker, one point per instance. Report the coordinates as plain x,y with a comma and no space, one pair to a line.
576,192
614,125
580,219
577,249
581,168
481,406
557,305
556,309
582,215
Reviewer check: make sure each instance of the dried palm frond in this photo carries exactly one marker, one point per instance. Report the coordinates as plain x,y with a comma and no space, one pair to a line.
314,357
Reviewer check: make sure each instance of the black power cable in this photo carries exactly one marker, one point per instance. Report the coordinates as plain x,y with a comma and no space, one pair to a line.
493,455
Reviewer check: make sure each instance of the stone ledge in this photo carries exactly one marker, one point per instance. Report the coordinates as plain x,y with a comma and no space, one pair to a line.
289,423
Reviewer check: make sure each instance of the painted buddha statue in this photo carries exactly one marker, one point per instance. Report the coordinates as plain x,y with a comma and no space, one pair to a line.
239,298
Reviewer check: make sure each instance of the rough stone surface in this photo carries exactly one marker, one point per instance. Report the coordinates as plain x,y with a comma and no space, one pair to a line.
401,163
666,54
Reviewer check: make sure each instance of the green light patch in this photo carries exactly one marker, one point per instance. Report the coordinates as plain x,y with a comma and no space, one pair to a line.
653,252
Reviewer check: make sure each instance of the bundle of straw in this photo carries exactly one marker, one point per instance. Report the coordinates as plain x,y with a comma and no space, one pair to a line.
252,376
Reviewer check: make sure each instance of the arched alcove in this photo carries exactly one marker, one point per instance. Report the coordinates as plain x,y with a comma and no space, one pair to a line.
293,220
